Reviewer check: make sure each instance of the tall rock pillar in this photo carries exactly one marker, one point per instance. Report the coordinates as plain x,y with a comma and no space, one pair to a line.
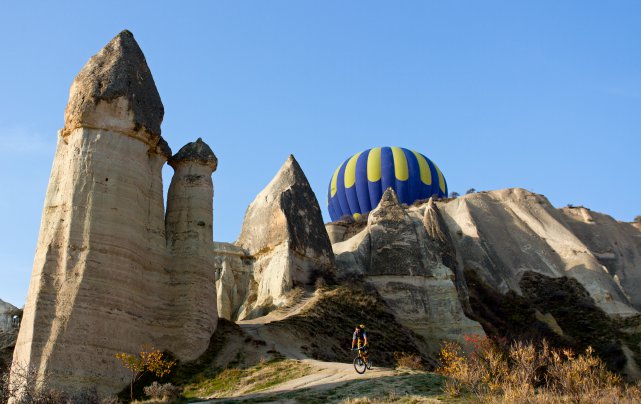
98,274
189,227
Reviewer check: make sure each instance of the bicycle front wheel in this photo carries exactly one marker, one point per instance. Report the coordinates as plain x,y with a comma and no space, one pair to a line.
359,365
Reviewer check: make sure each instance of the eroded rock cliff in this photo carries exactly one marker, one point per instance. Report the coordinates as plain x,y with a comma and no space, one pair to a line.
507,259
502,234
7,311
615,245
403,259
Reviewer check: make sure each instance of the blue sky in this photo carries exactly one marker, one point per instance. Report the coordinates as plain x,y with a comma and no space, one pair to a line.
544,95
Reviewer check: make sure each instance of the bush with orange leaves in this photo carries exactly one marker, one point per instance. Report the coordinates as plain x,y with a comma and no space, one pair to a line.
493,370
149,360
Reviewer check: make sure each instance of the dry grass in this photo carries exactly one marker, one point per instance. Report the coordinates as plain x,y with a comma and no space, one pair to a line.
408,361
235,381
404,387
527,373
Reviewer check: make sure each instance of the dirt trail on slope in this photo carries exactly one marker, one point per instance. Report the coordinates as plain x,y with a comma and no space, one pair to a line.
324,375
281,341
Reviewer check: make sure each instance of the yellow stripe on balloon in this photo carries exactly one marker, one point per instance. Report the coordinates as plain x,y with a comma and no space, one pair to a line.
441,180
424,168
350,171
400,164
374,164
334,188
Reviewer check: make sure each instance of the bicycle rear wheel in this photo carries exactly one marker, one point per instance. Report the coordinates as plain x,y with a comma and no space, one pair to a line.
359,365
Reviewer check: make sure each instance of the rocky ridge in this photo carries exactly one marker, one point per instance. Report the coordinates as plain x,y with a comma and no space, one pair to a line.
502,234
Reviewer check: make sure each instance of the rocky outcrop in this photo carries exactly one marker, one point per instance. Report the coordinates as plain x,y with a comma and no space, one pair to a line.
105,277
404,261
502,234
616,246
284,234
7,311
234,279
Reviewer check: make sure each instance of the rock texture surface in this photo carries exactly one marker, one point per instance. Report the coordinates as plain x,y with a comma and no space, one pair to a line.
116,82
284,234
105,277
402,258
189,227
502,234
615,245
234,279
6,314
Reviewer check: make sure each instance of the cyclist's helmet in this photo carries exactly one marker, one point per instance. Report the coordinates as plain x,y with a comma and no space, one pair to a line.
361,326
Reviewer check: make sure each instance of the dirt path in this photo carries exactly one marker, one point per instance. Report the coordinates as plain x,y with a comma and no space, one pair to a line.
324,375
280,341
296,306
328,375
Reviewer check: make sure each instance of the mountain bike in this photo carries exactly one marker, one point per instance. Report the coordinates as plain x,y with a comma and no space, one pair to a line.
361,361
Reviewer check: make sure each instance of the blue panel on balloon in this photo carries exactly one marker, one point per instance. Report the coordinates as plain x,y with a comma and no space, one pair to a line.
359,183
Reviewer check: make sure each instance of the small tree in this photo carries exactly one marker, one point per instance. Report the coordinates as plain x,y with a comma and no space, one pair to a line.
637,218
454,194
470,191
148,360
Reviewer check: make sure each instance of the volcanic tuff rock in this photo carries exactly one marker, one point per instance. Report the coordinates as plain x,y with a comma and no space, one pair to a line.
6,314
234,279
401,259
116,82
616,245
105,278
283,231
189,225
502,234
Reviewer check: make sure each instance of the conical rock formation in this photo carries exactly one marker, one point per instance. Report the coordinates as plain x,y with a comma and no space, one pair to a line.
283,231
103,279
115,90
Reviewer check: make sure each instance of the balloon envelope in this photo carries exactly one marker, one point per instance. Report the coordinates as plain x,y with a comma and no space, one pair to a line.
359,183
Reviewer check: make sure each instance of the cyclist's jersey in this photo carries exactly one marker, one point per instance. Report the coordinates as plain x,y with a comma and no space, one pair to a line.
359,335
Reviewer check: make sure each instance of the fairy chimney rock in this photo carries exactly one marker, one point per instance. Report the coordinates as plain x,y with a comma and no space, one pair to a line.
115,90
189,232
283,230
103,280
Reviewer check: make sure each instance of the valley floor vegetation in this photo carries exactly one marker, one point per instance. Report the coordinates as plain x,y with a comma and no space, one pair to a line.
486,370
495,370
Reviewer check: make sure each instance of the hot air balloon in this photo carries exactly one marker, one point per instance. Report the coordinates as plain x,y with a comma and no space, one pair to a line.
359,183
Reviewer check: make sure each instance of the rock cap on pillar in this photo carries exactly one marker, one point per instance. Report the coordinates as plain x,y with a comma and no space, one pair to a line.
116,91
198,152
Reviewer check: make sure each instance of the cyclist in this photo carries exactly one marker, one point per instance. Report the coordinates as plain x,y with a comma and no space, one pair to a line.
360,336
